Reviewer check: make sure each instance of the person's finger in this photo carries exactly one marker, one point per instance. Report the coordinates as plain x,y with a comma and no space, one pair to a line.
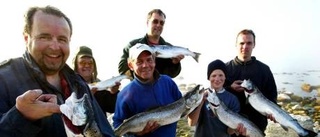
48,98
51,108
49,103
238,82
181,57
118,83
30,95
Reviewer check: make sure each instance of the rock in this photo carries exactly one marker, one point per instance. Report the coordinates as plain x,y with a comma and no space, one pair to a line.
306,87
275,130
283,97
296,98
317,108
318,101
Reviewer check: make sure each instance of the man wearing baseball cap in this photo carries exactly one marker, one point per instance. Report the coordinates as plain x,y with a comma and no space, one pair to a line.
147,90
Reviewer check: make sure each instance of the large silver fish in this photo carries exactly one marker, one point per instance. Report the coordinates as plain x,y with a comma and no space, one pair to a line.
80,112
163,115
266,107
166,51
230,118
103,85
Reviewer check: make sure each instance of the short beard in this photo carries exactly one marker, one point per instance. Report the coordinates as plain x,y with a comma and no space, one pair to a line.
46,69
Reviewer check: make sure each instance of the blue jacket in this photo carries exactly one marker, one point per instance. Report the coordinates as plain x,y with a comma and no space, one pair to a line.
22,74
137,97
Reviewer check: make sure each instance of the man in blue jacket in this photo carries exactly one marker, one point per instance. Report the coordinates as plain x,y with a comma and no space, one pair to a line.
147,90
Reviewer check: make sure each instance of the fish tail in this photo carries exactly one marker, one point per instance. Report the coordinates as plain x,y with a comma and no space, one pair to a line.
310,134
196,57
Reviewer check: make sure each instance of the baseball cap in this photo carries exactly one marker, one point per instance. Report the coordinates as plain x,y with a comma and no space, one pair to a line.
84,51
137,49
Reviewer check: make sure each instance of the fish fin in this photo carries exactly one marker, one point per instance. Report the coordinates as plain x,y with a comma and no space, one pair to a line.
184,114
247,98
196,57
285,128
310,133
157,53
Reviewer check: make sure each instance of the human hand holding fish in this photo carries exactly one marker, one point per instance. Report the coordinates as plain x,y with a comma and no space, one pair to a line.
114,89
150,127
241,129
270,117
177,59
34,105
236,85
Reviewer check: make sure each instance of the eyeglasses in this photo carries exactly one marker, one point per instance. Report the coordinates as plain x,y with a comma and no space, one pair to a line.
83,63
156,21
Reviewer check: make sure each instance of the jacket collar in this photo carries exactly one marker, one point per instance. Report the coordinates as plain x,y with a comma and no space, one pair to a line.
156,76
145,40
237,61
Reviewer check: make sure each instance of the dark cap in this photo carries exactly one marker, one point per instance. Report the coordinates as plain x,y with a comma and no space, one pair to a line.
216,64
84,51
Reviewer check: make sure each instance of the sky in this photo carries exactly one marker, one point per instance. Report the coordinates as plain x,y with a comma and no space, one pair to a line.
287,31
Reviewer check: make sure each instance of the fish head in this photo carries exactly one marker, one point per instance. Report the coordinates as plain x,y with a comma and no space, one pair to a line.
213,99
76,109
247,85
194,97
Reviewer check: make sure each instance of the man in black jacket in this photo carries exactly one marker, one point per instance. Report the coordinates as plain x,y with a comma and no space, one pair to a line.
155,23
33,87
245,66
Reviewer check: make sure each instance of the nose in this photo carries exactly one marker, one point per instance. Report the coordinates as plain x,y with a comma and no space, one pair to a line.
144,64
54,43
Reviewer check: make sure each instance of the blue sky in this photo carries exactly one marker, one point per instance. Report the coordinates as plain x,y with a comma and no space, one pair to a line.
287,31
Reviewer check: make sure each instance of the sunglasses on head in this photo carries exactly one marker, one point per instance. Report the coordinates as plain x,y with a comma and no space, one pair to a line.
156,21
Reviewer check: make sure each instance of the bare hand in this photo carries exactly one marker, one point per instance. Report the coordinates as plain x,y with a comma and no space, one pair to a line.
177,59
269,116
115,88
236,85
34,105
94,90
241,129
150,127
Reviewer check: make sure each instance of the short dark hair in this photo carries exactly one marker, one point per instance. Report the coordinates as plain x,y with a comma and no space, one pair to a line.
158,11
246,32
28,17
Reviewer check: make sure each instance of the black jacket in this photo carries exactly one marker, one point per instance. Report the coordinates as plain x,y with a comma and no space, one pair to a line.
261,75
